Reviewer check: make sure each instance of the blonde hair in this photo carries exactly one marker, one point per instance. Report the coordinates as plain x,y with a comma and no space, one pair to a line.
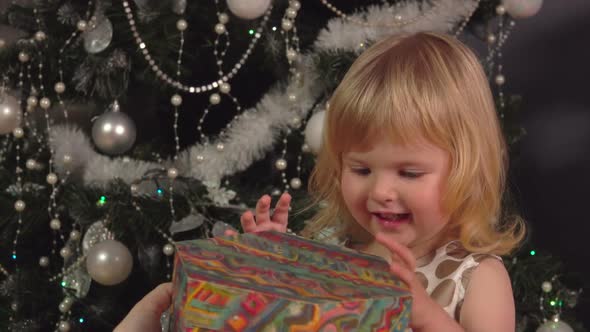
421,86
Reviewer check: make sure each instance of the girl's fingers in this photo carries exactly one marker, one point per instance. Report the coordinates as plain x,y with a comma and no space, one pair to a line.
247,221
281,213
403,273
400,250
263,210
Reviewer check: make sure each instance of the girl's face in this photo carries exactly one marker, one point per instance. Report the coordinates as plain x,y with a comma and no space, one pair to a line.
396,189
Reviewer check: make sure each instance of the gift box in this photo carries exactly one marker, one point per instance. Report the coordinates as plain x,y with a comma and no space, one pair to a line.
272,281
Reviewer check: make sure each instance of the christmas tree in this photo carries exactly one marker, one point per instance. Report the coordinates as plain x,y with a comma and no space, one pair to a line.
130,125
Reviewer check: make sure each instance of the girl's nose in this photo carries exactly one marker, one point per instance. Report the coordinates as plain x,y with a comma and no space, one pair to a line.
383,191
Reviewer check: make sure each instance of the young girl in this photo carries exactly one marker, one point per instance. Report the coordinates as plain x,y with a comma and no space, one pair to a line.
412,169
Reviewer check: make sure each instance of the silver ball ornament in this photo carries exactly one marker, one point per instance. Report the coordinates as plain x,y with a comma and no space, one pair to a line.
248,9
65,252
51,178
168,249
281,164
220,28
172,173
181,25
109,262
64,326
9,114
546,286
55,224
44,261
20,206
99,36
215,99
60,87
224,87
295,183
176,100
18,132
23,57
113,133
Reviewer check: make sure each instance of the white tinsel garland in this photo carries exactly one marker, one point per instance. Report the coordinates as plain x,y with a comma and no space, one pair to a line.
256,131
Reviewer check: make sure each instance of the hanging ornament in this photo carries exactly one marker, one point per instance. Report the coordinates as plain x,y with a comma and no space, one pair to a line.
98,35
248,9
190,222
78,281
96,233
113,132
555,325
109,262
314,131
522,8
9,113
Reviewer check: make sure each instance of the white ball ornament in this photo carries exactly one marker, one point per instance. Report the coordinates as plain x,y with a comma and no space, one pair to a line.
223,18
168,249
314,131
181,25
23,57
64,326
65,252
295,183
51,178
113,133
295,4
220,147
44,261
176,100
60,87
287,24
109,262
75,235
32,101
225,87
172,173
20,206
220,28
291,12
82,25
31,164
248,9
40,36
500,80
55,224
555,326
522,8
215,99
18,132
281,164
546,286
9,114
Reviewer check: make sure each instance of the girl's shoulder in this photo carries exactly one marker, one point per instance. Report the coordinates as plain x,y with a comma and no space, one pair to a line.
446,274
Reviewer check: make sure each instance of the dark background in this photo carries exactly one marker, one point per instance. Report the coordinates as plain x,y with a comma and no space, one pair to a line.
546,62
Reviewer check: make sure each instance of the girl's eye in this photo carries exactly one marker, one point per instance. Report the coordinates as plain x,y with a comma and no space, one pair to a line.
410,174
361,171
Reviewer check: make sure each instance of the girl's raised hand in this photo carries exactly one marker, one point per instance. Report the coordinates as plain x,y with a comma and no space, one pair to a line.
264,221
425,311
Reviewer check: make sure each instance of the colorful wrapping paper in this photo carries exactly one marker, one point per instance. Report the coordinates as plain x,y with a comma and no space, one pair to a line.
272,281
